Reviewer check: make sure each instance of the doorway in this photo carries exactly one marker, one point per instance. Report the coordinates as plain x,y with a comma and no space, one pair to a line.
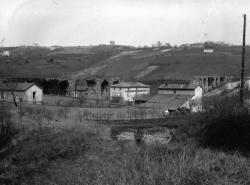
34,95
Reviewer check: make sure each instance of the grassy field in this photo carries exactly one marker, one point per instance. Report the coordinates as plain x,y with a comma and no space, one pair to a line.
54,146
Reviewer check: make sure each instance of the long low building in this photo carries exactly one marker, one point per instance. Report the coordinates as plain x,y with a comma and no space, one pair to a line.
181,89
127,91
173,96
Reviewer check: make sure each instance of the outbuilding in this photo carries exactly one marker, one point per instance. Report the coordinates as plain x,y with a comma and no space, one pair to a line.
127,91
192,90
22,92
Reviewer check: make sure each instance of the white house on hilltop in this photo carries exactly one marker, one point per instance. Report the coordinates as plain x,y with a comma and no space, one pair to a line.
128,90
23,92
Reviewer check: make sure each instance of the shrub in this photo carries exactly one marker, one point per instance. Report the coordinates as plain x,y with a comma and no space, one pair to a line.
49,115
231,133
224,124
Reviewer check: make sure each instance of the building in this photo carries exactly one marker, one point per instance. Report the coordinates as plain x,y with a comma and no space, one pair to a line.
208,50
175,96
112,43
5,53
247,83
23,92
208,47
169,102
127,91
181,89
236,84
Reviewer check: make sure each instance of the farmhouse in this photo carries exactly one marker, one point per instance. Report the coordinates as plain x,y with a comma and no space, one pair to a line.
127,91
22,92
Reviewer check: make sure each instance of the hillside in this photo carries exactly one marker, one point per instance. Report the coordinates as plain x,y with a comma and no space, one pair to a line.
128,63
60,62
151,65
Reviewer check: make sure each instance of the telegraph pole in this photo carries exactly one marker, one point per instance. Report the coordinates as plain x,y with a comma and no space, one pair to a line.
243,60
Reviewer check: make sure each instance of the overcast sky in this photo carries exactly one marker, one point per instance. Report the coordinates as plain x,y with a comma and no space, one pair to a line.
128,22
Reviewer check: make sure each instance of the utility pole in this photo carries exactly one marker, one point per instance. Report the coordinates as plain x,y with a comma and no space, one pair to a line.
243,61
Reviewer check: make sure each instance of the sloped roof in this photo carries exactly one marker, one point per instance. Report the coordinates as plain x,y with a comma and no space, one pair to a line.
169,101
144,97
177,86
130,84
16,86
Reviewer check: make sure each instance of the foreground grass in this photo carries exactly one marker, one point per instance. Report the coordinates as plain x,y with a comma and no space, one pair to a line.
81,155
109,162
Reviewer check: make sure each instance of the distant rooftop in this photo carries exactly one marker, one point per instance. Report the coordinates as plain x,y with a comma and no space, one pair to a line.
15,86
177,86
130,84
169,101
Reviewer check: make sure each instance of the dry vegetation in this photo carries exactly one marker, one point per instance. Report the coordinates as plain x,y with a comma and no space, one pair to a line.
202,151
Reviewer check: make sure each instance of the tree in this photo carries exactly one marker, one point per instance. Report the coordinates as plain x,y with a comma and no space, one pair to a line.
11,87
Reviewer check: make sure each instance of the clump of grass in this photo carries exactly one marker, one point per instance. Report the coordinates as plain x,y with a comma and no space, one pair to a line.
8,128
63,112
36,151
176,165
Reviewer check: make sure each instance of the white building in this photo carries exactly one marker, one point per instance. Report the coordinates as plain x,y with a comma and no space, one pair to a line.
208,50
6,53
112,43
236,84
23,92
247,83
128,90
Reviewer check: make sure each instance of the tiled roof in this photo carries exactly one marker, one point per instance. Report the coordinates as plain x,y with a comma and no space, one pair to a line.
177,86
144,97
168,101
15,86
130,84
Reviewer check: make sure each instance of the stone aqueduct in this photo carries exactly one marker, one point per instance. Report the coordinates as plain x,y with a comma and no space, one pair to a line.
92,86
97,87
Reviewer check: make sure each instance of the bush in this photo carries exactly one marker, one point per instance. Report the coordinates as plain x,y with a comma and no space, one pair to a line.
224,124
231,133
